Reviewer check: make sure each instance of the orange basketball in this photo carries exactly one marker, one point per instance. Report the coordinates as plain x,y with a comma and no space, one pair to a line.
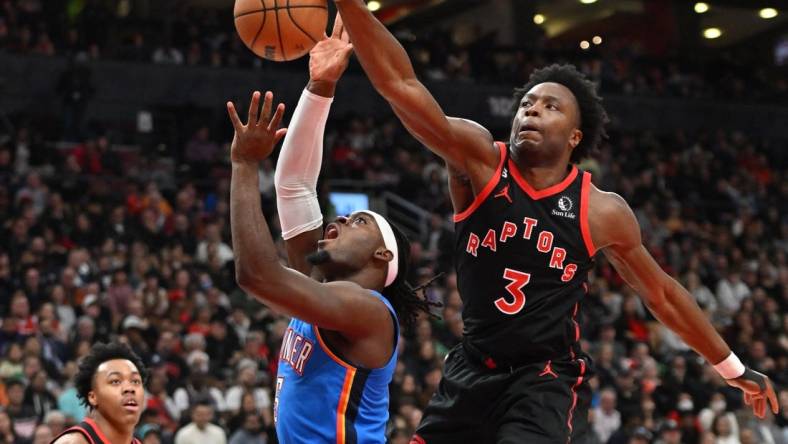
280,30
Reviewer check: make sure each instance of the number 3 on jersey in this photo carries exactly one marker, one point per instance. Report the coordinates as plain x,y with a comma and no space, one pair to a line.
515,288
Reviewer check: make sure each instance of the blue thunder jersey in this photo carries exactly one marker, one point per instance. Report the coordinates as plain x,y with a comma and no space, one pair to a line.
322,398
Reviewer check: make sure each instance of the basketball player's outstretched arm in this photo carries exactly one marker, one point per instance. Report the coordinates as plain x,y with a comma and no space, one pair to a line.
616,232
340,306
464,144
302,150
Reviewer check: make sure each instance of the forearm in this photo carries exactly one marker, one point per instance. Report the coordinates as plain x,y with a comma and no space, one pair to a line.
380,54
255,254
299,163
678,311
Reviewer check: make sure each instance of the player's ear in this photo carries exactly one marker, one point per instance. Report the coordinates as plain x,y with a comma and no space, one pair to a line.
384,254
92,399
575,138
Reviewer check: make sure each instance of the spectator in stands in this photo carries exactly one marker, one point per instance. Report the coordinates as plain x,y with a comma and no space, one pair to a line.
7,430
42,434
23,416
251,432
201,430
56,421
606,418
248,382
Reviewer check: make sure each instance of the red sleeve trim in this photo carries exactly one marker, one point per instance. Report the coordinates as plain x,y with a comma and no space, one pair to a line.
584,228
477,201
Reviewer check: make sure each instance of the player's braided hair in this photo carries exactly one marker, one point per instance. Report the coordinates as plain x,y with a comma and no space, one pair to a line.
593,116
403,297
99,354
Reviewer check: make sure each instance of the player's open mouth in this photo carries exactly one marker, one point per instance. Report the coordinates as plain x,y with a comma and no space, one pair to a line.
332,232
131,404
527,128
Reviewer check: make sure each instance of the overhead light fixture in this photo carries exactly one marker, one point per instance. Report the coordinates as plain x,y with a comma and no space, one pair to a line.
701,7
584,44
587,2
539,19
373,5
767,13
712,33
597,40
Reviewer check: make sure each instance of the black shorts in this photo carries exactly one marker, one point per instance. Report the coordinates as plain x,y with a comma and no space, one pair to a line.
543,402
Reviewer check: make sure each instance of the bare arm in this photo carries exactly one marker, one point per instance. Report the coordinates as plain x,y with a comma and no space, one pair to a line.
615,230
464,144
340,306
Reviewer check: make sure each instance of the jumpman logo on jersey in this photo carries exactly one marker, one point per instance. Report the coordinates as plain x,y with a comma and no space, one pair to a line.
504,193
548,370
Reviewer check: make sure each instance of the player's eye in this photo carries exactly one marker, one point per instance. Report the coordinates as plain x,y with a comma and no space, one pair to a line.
115,381
525,104
552,106
360,219
136,381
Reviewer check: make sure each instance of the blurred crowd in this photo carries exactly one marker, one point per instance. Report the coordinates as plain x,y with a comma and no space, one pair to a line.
182,34
102,242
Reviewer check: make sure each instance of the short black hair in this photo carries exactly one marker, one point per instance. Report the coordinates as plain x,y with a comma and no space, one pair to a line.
403,297
99,354
13,382
593,116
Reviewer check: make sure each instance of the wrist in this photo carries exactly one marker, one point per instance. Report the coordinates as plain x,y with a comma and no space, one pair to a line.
323,88
243,165
730,367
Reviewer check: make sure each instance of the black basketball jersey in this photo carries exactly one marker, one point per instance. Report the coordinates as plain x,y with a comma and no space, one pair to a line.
90,430
522,260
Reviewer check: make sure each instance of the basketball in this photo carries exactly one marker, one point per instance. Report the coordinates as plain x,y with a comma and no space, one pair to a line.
280,30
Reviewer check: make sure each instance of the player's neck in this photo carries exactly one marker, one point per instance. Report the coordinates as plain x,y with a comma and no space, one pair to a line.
367,277
541,175
113,433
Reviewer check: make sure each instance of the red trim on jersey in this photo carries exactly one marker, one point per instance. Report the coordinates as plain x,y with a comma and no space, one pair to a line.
416,439
540,194
99,432
577,326
584,228
477,201
574,398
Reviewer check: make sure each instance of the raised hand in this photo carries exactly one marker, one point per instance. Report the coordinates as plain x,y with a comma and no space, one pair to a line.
255,140
329,58
758,391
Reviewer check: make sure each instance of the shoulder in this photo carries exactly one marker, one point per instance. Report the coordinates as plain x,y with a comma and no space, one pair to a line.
611,220
71,438
606,204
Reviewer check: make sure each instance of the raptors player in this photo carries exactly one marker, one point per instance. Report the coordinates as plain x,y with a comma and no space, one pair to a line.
528,224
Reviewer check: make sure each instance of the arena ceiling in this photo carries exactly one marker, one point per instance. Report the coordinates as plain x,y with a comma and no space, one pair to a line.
567,19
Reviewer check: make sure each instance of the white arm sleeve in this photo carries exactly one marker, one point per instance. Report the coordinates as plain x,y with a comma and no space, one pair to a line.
299,165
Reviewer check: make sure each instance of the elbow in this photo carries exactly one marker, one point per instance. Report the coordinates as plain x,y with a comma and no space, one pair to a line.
248,279
243,278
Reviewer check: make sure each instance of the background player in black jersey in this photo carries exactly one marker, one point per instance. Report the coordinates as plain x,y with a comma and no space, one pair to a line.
110,383
483,397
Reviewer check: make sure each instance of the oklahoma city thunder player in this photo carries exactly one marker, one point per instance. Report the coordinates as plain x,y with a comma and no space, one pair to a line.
339,351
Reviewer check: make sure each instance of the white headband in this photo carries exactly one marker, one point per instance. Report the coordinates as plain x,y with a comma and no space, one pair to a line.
390,242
